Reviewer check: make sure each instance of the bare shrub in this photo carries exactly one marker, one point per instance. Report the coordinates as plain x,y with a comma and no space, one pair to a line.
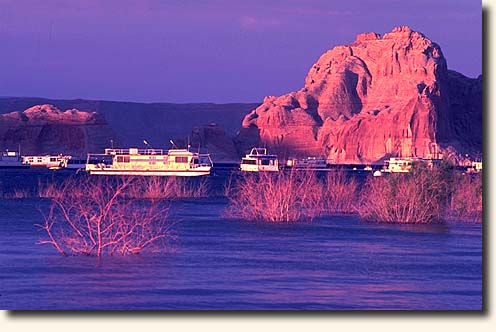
280,197
93,216
19,194
228,187
168,188
340,193
416,197
14,193
466,201
48,190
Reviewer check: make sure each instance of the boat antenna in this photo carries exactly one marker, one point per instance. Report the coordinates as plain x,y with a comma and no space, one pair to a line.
173,144
147,144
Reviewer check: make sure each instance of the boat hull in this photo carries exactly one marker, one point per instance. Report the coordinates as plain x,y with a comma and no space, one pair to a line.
258,168
149,172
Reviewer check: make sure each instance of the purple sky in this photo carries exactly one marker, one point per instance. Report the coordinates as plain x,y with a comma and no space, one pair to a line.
204,51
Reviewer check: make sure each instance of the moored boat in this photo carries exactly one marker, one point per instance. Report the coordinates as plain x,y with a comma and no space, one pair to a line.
70,163
49,161
404,165
258,160
398,165
149,162
307,163
12,159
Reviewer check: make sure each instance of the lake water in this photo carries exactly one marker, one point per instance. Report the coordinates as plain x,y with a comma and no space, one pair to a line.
332,263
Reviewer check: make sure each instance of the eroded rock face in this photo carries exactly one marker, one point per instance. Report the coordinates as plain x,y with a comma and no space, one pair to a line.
45,129
377,97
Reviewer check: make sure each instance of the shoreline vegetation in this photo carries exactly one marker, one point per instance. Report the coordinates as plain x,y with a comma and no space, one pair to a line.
128,215
419,197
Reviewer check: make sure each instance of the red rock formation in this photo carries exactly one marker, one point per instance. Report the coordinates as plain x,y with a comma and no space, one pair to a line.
377,97
44,129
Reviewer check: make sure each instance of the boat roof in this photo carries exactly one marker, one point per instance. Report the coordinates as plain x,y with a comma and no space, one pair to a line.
136,151
259,152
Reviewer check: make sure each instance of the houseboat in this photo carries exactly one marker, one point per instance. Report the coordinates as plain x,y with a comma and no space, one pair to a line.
404,165
307,163
70,163
259,161
12,159
149,162
475,167
398,165
48,161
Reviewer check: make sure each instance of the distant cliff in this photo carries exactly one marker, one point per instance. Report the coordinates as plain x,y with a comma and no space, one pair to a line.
44,129
380,96
155,122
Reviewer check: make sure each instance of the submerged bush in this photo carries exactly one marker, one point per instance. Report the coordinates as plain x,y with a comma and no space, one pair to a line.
168,188
95,216
340,193
466,200
420,196
48,190
275,197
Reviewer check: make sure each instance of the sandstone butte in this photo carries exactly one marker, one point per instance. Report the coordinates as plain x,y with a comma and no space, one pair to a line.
45,129
378,97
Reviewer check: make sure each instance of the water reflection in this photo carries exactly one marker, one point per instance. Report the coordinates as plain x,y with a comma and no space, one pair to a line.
331,263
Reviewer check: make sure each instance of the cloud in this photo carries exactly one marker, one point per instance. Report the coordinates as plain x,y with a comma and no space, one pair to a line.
252,22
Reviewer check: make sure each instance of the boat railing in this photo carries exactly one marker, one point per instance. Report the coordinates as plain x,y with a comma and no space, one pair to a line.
258,151
134,151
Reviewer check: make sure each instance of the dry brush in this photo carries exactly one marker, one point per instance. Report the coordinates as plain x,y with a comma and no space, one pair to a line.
95,216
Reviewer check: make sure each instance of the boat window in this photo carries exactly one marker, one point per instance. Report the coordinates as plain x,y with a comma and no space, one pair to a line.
264,162
196,161
181,159
123,159
204,161
53,159
249,162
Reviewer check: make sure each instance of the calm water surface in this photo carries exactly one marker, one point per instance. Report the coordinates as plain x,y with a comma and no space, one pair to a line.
331,263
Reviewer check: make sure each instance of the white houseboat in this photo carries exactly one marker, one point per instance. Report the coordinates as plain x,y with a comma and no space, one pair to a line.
404,165
475,167
259,161
398,165
149,162
48,161
12,159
